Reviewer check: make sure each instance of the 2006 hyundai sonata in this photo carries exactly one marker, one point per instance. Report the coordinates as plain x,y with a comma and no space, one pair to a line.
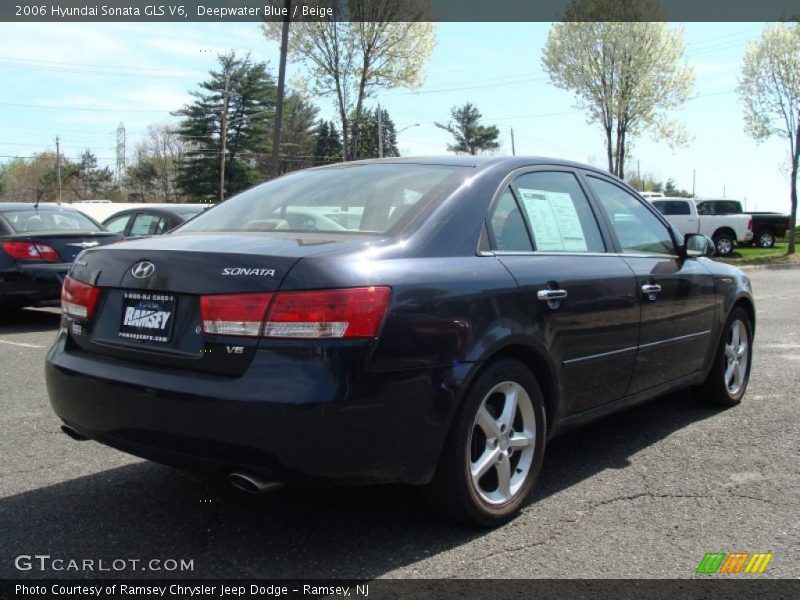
425,321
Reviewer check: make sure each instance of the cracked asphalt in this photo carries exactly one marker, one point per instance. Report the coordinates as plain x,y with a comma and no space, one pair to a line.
645,493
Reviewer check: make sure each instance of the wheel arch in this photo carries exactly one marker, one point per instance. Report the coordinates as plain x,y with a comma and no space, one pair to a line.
748,306
725,229
541,368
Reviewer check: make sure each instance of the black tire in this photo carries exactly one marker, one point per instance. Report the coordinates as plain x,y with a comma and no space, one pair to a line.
716,389
724,243
765,239
453,485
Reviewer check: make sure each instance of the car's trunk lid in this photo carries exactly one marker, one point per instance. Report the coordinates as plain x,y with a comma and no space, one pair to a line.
150,311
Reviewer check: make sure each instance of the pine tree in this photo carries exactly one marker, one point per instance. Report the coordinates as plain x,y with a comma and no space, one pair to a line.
329,144
368,135
249,110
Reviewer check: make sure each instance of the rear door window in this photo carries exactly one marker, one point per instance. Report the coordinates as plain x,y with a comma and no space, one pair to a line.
559,214
672,207
147,224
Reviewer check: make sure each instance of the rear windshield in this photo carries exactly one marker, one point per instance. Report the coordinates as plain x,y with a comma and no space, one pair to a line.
370,198
31,219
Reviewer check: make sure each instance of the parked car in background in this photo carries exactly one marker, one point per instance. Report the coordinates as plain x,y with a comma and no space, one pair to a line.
725,230
37,246
155,220
767,226
481,306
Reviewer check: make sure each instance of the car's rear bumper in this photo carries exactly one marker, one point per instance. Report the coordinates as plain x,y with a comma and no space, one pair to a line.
32,284
352,426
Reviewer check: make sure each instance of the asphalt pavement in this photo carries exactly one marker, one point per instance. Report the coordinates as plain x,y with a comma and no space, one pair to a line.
645,493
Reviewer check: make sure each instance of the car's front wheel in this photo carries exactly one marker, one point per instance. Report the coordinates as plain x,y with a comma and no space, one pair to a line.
495,449
727,381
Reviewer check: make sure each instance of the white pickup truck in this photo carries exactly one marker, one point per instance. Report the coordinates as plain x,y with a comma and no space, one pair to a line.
725,230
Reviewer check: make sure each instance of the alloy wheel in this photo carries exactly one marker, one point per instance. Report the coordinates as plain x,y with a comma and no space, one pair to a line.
737,354
502,443
724,246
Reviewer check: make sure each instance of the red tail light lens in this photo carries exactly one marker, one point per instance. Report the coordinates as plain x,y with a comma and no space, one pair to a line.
30,251
78,299
234,314
349,313
750,224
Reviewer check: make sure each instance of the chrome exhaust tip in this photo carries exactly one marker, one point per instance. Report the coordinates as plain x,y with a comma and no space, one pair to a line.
252,483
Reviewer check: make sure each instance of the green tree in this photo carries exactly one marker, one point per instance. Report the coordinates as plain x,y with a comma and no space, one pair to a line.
770,89
239,98
298,134
471,137
627,69
384,44
328,147
87,179
142,177
368,140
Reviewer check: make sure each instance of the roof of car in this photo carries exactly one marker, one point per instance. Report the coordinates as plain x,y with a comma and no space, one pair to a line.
461,160
6,206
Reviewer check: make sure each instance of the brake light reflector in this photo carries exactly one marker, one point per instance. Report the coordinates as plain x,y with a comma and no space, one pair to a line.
30,251
234,314
346,313
78,299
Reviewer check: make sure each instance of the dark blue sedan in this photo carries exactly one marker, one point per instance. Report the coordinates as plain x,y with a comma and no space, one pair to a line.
469,310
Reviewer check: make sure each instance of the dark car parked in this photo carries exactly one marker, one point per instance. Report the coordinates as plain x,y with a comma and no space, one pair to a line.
141,222
767,226
481,307
37,246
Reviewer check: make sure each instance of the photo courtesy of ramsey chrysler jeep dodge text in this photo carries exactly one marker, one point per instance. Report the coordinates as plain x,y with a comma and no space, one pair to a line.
423,321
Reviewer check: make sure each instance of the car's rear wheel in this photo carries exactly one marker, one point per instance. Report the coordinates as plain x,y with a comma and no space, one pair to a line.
727,381
724,243
495,449
765,239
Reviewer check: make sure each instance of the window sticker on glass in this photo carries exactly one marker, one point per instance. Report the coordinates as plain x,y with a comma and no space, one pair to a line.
555,222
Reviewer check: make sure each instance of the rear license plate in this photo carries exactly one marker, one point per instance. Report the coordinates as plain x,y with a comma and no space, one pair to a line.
147,316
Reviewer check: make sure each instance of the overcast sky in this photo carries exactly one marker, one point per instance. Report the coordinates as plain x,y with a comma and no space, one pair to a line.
80,81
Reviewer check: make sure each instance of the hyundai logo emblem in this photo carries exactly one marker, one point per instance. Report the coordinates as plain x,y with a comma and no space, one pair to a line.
143,269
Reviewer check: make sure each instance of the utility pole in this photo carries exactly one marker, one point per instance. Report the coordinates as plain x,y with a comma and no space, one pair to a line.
276,137
694,182
58,167
380,131
223,137
639,174
513,148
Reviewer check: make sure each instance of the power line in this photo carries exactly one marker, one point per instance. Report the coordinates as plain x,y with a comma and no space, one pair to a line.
87,109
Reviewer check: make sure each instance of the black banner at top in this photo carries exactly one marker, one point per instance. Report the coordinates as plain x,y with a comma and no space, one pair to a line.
222,11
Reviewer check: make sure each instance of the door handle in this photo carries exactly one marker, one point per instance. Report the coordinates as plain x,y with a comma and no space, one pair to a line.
651,290
551,295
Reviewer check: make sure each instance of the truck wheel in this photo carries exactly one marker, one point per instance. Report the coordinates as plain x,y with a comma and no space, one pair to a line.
724,243
765,239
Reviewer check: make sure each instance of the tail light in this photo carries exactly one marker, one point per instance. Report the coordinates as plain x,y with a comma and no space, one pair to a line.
234,314
346,313
30,251
78,299
750,224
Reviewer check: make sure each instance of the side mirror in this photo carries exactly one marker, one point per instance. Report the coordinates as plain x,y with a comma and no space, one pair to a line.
697,244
